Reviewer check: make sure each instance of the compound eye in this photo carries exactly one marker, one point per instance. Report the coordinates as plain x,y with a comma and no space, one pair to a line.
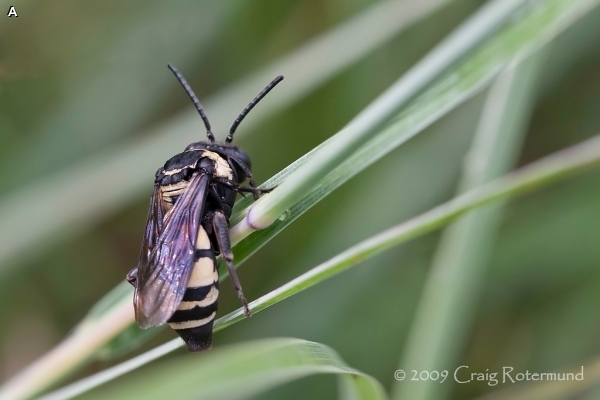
246,161
243,157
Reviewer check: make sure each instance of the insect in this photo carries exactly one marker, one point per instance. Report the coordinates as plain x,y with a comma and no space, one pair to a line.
176,279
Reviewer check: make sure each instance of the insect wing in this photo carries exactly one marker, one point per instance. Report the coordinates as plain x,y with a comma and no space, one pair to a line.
154,225
162,282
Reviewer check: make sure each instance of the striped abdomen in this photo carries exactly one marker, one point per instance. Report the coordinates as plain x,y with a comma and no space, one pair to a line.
194,318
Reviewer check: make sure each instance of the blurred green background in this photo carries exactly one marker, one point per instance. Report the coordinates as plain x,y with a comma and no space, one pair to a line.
82,80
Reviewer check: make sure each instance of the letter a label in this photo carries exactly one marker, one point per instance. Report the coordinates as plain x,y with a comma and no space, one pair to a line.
12,12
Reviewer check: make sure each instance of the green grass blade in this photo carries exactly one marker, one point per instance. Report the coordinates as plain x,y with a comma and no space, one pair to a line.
239,371
452,289
538,174
470,34
538,25
550,169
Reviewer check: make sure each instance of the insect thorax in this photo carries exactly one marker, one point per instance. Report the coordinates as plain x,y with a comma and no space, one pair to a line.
173,178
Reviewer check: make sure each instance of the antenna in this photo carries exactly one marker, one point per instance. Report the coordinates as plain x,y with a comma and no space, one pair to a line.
190,93
250,106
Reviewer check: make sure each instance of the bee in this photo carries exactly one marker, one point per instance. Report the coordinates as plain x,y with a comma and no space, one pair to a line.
176,279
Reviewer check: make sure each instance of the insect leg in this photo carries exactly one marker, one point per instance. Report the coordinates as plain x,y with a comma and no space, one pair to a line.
243,189
254,190
221,229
